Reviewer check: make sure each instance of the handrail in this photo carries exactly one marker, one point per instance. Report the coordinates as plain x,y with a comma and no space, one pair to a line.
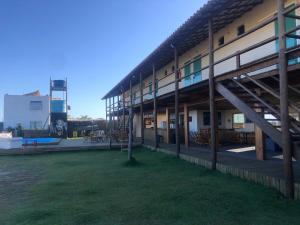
267,41
194,60
191,74
293,30
287,11
164,77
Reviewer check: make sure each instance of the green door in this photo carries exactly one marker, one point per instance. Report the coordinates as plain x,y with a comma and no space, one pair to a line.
197,71
187,75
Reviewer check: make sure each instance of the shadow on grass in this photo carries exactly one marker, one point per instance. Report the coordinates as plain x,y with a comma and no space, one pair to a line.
132,163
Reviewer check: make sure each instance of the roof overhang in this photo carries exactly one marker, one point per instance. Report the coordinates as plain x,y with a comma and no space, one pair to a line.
187,36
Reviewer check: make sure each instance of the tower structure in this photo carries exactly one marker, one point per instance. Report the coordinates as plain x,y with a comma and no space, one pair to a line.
58,108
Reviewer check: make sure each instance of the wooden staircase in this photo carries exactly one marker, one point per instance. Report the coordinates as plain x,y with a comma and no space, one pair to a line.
260,103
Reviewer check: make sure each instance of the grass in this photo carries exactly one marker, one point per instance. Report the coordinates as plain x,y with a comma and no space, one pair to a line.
101,188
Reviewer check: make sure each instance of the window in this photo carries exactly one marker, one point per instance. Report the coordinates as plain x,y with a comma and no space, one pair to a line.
241,30
238,120
36,125
36,105
206,118
221,40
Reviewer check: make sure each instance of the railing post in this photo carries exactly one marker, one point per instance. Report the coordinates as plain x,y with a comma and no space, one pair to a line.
213,113
142,109
284,110
238,60
154,106
130,125
176,102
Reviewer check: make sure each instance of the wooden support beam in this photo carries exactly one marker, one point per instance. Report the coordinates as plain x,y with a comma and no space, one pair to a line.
168,125
284,110
106,123
113,112
118,112
154,106
250,113
259,143
213,113
260,139
110,131
130,125
186,126
123,112
176,101
142,109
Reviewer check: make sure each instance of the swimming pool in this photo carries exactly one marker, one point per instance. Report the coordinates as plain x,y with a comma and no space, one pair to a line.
40,141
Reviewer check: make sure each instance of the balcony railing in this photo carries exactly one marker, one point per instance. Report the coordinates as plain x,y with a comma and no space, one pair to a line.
257,45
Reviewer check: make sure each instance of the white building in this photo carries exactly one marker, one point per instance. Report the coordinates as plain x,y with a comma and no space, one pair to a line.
31,111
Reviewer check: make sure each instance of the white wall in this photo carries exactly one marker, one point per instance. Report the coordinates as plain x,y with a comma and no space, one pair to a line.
17,111
194,124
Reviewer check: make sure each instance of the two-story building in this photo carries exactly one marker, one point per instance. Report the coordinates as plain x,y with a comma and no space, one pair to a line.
30,111
228,75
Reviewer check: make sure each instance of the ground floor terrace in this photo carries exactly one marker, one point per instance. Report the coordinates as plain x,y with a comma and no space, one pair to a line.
247,122
100,187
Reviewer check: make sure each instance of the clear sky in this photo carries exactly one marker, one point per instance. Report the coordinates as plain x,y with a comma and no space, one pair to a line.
94,43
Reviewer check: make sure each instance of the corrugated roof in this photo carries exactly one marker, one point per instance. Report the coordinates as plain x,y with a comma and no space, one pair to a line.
187,36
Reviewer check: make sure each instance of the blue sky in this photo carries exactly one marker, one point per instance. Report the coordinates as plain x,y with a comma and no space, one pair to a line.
94,43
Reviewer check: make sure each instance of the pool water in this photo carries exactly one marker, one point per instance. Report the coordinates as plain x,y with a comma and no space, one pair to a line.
39,141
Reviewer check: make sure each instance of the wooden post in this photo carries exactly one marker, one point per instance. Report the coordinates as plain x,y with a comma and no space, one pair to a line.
110,133
113,112
118,114
130,125
176,102
259,144
213,124
154,107
284,111
260,138
168,125
106,123
142,109
123,111
186,126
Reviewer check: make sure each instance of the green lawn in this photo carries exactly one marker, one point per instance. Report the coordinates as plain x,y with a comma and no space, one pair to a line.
99,188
